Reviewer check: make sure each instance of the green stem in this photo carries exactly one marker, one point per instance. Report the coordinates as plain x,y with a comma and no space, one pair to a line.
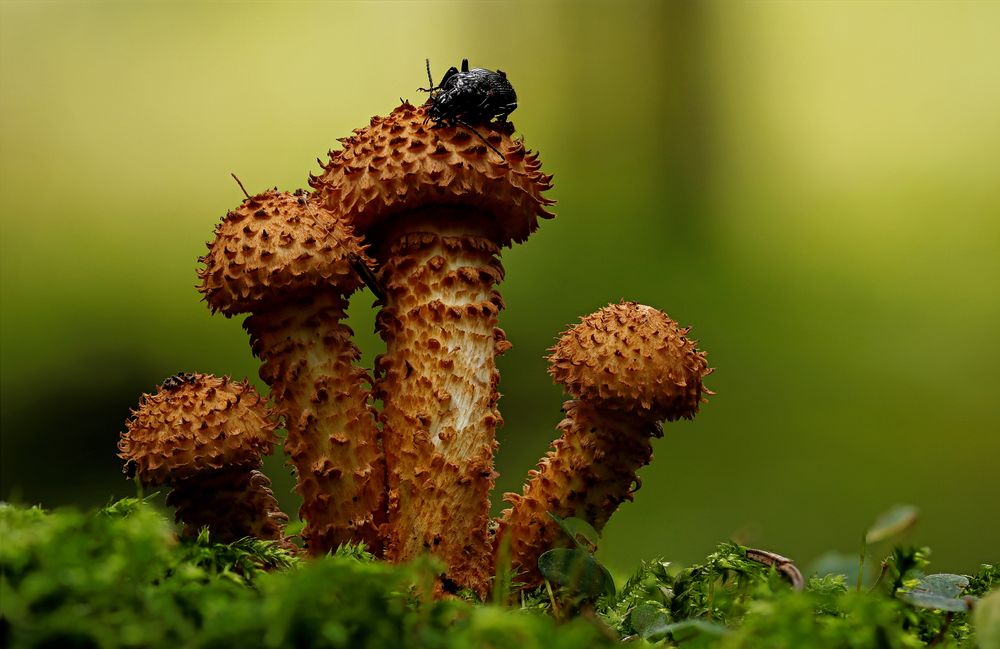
861,560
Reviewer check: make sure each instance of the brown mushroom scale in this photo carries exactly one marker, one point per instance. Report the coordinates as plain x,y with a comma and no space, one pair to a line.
204,436
437,206
288,262
629,366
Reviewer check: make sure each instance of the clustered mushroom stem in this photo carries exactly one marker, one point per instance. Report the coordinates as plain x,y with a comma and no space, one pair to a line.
245,496
589,471
438,381
309,363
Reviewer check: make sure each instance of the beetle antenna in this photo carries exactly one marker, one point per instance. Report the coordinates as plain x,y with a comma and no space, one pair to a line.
430,80
245,193
480,136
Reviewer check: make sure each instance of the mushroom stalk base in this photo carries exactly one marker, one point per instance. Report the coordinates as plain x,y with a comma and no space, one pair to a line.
233,503
589,471
438,381
309,362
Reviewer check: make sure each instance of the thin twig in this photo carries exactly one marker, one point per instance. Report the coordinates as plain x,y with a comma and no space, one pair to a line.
552,599
783,565
944,629
882,573
245,192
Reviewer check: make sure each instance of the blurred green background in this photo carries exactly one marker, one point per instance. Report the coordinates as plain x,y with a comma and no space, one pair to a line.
813,186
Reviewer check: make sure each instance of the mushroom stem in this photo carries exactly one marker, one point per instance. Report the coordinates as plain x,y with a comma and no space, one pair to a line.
589,471
438,381
243,493
309,363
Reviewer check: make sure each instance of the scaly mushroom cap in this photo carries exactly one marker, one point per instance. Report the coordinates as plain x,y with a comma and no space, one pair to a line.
401,163
196,422
631,357
274,247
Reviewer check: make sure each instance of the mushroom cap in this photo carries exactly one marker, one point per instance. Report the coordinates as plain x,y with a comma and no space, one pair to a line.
273,248
631,357
401,163
194,423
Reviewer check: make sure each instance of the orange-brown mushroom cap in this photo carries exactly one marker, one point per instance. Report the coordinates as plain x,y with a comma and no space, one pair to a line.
629,356
274,247
196,422
401,163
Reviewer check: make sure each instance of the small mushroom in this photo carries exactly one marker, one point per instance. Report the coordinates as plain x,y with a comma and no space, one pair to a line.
290,263
628,367
204,436
436,206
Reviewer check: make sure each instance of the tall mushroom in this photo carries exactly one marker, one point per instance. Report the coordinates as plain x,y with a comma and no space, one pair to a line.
437,206
628,367
288,262
204,436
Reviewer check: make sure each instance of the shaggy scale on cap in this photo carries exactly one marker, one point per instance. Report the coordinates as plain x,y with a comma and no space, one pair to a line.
194,423
401,163
274,247
630,356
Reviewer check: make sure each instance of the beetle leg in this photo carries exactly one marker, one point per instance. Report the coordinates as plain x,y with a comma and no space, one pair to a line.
366,274
480,136
465,65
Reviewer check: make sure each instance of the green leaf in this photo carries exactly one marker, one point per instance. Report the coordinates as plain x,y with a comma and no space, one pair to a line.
943,584
986,621
582,532
936,602
838,563
686,630
891,523
939,592
577,571
645,617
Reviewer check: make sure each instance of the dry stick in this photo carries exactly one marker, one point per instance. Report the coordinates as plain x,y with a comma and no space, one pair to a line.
783,565
245,193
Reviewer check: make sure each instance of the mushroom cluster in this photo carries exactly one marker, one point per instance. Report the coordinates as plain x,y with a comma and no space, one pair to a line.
402,459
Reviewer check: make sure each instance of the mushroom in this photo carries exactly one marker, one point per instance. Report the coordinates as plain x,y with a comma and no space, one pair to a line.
288,262
436,207
204,436
628,367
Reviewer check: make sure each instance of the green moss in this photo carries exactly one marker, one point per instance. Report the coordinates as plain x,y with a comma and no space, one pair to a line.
119,578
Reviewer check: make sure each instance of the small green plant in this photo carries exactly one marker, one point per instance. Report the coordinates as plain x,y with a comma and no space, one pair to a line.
119,577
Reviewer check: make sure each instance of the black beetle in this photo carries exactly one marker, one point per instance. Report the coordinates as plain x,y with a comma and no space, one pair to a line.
468,97
177,380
